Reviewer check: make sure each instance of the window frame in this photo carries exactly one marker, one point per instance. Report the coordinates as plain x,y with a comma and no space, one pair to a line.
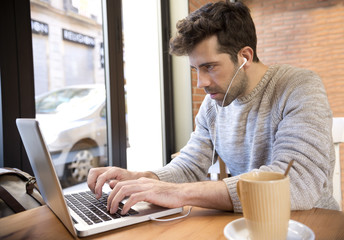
17,82
114,81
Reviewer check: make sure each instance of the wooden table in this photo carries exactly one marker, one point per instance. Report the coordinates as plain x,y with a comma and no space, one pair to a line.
41,223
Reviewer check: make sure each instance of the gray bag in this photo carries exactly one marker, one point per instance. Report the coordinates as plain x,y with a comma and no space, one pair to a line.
18,192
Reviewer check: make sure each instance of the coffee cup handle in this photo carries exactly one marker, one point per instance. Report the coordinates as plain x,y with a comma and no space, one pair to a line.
238,189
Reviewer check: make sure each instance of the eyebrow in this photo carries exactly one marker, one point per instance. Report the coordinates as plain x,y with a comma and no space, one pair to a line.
204,64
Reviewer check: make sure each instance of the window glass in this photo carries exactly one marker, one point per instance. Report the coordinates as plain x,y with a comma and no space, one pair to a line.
67,40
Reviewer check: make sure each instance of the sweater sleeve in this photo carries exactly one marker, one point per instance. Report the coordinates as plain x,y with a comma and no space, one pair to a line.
194,159
305,135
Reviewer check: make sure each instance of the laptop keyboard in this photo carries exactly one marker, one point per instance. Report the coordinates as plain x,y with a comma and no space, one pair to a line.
93,210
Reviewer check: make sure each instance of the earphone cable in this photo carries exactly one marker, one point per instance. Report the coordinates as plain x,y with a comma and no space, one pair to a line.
230,84
223,102
171,219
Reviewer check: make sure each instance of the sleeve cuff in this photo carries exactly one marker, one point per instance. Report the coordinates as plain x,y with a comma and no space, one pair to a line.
232,190
163,175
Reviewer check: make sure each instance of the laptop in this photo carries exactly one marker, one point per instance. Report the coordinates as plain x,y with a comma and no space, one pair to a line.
78,222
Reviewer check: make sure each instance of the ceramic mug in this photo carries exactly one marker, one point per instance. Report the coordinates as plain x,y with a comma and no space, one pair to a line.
265,200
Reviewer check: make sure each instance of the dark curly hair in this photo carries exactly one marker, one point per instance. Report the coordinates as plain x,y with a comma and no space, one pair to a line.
231,22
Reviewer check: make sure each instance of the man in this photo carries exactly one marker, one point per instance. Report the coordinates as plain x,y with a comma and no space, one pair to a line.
256,118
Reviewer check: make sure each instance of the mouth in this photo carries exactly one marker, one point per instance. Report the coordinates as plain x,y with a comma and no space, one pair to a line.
214,96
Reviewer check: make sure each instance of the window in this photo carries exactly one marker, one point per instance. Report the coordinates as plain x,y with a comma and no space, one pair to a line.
70,96
27,76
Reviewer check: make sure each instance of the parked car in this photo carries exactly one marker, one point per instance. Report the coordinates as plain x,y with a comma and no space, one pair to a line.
73,123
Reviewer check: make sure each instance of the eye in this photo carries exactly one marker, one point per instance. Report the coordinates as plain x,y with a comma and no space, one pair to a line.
209,67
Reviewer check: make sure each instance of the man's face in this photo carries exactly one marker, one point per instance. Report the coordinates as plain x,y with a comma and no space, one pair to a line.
215,71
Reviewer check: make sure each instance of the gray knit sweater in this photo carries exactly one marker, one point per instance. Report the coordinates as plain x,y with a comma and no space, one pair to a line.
287,116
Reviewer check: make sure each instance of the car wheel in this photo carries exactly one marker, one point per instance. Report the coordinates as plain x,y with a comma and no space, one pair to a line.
81,159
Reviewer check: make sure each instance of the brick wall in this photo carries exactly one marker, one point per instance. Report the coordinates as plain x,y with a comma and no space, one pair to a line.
303,33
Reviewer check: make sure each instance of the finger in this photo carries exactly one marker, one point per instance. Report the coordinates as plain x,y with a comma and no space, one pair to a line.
92,177
113,199
112,194
122,190
113,183
133,199
109,174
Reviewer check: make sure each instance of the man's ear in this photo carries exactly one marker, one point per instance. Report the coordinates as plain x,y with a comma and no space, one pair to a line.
246,52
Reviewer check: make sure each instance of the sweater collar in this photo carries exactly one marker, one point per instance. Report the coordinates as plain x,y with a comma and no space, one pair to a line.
260,86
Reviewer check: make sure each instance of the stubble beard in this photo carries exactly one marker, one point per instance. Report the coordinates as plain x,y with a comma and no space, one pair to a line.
237,90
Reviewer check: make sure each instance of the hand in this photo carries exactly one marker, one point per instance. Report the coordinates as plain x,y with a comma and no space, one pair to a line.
97,177
144,189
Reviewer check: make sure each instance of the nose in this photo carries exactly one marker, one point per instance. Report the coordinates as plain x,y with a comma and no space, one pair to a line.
203,80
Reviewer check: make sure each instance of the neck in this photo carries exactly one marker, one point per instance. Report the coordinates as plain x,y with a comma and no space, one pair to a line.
255,73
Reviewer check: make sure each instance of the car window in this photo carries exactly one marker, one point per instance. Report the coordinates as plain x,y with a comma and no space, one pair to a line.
51,102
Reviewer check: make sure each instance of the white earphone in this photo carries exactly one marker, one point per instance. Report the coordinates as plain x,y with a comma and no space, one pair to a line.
245,61
230,84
